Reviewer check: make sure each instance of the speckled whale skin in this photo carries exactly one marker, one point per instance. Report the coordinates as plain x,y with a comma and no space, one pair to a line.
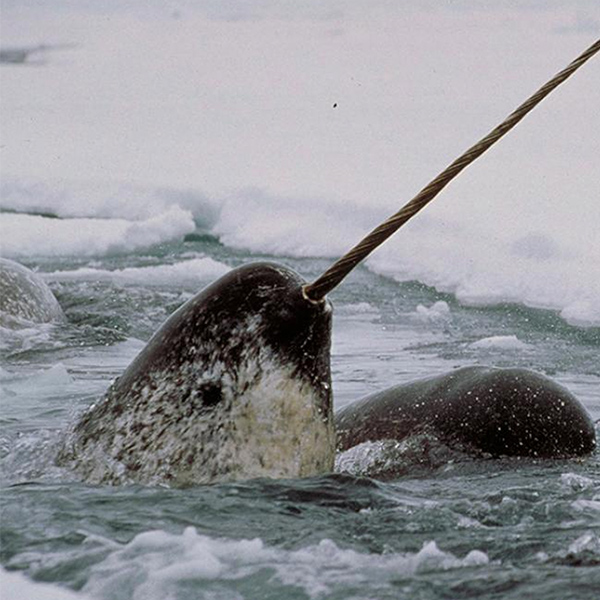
236,384
24,295
498,412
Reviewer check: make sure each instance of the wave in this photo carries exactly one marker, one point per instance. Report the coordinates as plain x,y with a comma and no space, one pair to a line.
289,226
16,585
485,268
478,263
70,198
192,271
160,564
26,235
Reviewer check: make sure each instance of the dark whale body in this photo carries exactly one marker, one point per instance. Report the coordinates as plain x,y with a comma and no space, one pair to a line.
236,384
499,412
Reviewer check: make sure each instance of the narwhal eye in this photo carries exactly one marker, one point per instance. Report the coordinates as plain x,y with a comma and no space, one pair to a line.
210,393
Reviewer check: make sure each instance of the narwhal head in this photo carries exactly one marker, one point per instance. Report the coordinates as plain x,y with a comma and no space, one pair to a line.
236,384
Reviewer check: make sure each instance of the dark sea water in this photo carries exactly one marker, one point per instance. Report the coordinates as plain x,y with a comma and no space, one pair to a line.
446,528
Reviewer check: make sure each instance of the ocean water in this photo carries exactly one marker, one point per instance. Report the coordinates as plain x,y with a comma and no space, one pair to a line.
164,145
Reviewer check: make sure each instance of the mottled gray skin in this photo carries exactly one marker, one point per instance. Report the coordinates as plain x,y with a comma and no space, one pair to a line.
24,295
236,384
500,412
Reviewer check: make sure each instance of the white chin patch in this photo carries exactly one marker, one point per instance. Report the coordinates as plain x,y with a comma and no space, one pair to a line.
266,423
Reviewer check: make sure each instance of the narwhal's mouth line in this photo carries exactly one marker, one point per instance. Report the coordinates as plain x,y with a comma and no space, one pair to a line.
308,298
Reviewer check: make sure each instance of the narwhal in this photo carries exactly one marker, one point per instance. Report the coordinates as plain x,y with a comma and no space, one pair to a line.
478,410
236,384
25,297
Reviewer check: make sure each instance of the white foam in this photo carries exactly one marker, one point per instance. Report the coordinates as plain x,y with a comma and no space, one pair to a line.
582,312
438,311
592,506
290,226
188,271
576,482
71,198
20,334
357,309
360,458
27,235
16,586
154,564
44,383
56,376
390,458
499,342
586,543
480,268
